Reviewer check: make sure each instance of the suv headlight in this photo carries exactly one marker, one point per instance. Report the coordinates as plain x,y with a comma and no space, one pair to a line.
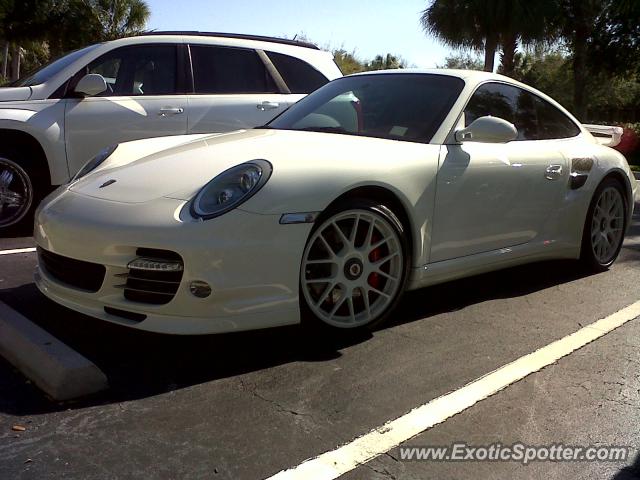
231,188
95,162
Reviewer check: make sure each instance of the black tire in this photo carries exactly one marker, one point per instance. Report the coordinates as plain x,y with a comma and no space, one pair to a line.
587,254
309,318
27,178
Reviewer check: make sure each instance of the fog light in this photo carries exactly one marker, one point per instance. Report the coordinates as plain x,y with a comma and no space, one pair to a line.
200,289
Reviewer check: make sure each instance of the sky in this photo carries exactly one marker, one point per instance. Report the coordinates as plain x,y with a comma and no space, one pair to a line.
369,27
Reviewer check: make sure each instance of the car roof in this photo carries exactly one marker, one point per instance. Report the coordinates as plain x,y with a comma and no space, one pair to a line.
474,75
239,36
471,77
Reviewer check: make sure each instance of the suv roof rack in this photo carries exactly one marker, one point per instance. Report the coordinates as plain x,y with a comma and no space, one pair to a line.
241,36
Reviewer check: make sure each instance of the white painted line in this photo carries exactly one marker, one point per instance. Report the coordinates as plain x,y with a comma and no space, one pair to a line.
17,250
337,462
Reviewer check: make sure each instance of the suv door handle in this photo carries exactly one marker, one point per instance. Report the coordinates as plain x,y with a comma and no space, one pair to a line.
268,106
553,172
164,111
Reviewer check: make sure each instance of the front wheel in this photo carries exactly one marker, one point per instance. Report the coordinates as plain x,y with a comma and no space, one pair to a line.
604,226
354,267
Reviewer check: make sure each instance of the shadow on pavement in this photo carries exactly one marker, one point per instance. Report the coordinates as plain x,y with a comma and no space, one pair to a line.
510,283
19,231
630,472
141,364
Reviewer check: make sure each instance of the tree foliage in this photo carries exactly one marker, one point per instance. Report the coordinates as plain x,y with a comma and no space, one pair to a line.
37,30
602,36
349,63
462,61
551,71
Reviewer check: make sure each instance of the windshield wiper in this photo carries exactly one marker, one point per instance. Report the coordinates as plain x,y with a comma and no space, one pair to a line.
324,129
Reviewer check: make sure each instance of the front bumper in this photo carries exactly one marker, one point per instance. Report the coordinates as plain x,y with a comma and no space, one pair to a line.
250,261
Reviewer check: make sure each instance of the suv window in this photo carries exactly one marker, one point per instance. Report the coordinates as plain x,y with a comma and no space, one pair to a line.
535,118
227,70
299,76
138,71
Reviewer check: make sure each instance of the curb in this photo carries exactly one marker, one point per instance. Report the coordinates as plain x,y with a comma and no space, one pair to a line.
57,369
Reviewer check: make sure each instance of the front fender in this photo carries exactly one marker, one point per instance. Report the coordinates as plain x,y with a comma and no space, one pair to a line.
43,120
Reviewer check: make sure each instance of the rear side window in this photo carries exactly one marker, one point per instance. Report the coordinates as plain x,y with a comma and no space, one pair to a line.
224,70
299,76
552,123
535,118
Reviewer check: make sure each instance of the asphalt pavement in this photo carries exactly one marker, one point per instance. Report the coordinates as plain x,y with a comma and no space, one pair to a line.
249,405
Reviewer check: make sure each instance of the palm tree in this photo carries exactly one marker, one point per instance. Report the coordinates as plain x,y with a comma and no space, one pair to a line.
488,24
576,24
82,22
121,18
462,24
526,23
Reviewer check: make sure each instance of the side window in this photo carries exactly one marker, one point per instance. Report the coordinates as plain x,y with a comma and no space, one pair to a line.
226,70
535,118
299,76
509,103
552,123
138,71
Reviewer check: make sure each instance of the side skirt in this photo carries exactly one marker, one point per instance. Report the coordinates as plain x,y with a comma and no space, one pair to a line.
446,270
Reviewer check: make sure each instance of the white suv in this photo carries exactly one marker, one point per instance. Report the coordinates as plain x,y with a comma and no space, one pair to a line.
166,83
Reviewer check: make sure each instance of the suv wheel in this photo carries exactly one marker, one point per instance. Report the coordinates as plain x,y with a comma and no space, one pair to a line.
16,193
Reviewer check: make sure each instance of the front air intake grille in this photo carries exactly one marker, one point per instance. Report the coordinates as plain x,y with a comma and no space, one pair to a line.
75,273
147,280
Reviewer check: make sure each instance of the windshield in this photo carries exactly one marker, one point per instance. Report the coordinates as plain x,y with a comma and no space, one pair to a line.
51,69
399,106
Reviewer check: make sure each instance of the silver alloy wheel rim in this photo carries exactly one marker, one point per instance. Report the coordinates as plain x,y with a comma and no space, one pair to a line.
607,225
16,192
352,268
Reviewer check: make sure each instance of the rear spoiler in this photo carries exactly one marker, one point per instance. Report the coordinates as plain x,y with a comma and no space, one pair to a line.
605,134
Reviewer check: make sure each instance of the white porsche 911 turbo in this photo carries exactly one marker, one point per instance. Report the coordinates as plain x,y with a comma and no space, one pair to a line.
373,185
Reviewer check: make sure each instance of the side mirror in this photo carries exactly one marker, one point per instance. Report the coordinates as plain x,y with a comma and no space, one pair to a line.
488,130
91,84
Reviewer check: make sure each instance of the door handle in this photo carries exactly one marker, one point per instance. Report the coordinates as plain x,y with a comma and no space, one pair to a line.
553,172
164,111
267,106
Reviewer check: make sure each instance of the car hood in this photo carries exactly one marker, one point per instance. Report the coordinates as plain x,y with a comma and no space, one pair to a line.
15,94
180,171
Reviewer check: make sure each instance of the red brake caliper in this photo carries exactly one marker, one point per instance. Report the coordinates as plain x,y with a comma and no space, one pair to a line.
374,256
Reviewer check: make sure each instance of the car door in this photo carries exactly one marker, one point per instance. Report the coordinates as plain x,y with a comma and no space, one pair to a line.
144,98
233,89
493,196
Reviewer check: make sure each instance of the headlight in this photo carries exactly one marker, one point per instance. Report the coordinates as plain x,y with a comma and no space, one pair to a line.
95,162
231,188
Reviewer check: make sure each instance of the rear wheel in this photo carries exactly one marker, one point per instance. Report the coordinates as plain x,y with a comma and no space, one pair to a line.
354,267
16,193
605,225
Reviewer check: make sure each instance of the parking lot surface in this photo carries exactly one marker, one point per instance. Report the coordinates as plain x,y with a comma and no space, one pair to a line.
249,405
